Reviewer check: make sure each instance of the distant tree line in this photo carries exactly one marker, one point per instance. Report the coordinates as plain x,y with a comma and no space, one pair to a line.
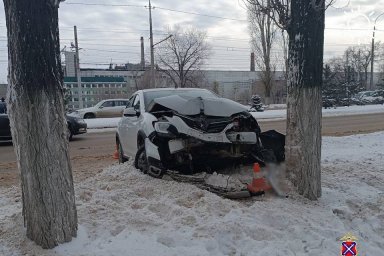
348,74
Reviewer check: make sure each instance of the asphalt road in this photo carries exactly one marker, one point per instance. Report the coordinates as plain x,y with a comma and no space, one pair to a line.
100,146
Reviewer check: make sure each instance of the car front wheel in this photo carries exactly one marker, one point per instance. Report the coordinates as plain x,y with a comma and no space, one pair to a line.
122,158
89,116
70,133
141,161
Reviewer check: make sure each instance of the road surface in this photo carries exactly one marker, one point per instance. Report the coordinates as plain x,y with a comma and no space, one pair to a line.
92,152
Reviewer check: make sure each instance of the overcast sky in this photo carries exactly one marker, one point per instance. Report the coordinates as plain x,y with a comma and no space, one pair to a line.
112,33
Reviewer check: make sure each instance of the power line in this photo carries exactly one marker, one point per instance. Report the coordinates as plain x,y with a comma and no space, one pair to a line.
99,4
200,14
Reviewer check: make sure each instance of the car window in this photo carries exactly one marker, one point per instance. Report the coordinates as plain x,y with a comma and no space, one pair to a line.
136,102
108,104
130,101
121,103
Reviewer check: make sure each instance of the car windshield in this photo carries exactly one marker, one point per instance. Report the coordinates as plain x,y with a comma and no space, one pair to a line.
151,95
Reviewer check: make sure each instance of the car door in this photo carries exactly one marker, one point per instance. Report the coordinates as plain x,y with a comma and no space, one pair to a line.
134,127
128,128
106,109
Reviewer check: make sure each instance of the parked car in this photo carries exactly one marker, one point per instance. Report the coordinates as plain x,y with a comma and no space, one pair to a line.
105,108
76,125
191,130
5,130
371,97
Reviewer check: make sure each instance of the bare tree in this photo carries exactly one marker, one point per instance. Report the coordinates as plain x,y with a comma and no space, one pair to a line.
304,23
181,56
263,35
38,124
359,58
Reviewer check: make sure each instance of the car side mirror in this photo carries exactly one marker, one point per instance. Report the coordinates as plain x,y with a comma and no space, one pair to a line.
101,107
129,112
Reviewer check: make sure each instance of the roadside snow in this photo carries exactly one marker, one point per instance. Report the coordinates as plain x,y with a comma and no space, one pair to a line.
98,123
124,212
339,111
104,124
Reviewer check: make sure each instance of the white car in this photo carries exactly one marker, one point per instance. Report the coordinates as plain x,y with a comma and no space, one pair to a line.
190,130
105,108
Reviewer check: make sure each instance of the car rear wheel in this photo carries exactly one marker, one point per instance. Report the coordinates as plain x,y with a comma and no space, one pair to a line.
89,116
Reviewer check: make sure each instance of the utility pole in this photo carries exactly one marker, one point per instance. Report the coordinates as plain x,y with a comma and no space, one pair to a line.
78,75
373,51
152,74
372,57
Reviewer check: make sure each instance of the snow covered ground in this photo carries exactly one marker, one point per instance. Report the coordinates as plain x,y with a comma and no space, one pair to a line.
104,124
124,212
339,111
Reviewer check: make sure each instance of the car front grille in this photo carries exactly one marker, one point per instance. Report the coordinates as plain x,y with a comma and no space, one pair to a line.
207,124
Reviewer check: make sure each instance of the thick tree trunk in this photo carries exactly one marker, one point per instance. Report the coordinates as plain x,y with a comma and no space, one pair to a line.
39,127
303,141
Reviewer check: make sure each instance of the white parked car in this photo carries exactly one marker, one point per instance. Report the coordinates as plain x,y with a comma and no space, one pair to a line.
191,130
105,108
371,97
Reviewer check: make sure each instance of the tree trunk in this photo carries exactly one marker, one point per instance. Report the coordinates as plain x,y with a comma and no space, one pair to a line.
38,124
303,141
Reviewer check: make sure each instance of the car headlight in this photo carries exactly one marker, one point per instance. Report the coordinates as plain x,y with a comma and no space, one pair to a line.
165,128
80,120
162,127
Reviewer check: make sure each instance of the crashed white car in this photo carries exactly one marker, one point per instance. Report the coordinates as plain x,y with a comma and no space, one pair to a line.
191,130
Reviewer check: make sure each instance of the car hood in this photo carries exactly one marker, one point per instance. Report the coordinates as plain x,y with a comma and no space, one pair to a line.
85,109
193,106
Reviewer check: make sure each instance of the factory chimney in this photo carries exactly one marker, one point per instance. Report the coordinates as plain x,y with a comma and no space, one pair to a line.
252,61
142,63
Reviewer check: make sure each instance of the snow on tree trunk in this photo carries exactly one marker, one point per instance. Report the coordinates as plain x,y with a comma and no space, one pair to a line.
38,124
303,141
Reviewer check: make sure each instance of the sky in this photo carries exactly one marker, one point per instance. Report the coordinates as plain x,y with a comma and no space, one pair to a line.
110,31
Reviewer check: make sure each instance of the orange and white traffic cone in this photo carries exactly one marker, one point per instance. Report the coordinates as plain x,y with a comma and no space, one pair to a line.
259,184
116,154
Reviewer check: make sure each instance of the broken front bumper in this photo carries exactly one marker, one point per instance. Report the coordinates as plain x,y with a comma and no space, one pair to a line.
180,134
221,137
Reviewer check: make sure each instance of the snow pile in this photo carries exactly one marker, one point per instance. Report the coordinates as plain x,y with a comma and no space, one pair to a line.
275,113
339,111
98,123
124,212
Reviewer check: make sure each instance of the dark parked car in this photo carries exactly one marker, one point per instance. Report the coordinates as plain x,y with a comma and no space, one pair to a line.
76,125
5,131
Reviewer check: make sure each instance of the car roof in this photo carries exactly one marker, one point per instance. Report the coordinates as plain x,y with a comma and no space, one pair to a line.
114,99
172,89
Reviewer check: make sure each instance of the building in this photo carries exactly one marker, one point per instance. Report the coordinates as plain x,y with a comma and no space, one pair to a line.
94,89
235,85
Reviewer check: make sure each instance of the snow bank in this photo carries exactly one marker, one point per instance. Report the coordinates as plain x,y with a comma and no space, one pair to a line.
339,111
105,124
98,123
124,212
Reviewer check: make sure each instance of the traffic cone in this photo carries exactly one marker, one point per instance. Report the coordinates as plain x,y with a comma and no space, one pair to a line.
116,154
259,184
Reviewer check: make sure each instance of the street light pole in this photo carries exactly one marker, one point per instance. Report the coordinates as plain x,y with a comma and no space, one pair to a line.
151,45
373,51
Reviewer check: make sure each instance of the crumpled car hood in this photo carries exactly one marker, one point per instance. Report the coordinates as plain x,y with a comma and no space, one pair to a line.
193,106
